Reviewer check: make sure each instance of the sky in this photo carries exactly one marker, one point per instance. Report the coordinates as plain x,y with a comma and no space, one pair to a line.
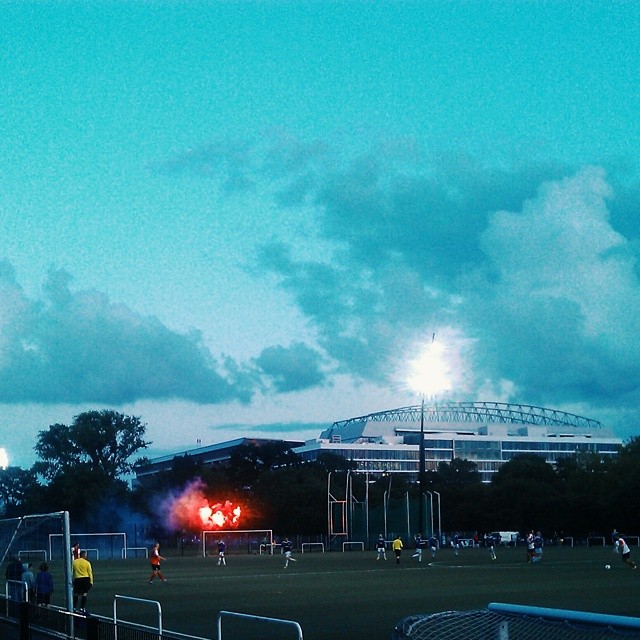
249,218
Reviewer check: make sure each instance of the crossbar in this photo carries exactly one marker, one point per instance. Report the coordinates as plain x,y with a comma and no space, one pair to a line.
602,619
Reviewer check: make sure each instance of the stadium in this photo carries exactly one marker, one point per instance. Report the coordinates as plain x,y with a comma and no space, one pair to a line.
388,442
486,433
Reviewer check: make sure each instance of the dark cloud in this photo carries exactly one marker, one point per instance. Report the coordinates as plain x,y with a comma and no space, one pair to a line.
230,162
273,429
77,347
291,368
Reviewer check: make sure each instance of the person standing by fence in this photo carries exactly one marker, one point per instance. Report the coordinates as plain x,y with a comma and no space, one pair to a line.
44,585
82,581
30,580
13,575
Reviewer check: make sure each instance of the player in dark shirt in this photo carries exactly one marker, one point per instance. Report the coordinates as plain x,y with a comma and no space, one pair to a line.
221,549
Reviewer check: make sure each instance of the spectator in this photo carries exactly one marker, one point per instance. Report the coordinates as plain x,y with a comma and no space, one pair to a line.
30,581
44,585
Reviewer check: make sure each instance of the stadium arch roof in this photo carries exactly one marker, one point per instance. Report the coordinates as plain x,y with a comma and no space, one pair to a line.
477,412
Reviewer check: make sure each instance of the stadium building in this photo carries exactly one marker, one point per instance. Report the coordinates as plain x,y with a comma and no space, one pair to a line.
207,456
486,433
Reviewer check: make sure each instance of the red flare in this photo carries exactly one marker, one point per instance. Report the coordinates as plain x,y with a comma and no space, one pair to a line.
193,511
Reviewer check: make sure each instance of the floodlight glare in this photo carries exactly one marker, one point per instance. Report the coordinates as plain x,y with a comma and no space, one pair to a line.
429,373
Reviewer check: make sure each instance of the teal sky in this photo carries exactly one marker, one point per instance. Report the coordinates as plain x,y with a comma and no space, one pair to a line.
243,218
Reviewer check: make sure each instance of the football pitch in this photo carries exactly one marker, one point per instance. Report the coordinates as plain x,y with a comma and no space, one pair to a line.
353,595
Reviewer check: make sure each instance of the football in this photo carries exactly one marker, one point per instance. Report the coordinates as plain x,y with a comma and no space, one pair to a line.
607,566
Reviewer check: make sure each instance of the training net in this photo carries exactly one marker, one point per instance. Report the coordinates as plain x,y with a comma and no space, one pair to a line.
252,541
99,546
512,622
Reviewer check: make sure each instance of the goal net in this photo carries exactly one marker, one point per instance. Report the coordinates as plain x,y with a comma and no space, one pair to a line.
250,541
99,546
515,622
27,538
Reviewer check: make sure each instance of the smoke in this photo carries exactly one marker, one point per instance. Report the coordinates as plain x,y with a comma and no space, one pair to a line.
192,510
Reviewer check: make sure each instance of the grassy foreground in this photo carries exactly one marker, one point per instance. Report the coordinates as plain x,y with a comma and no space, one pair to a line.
351,595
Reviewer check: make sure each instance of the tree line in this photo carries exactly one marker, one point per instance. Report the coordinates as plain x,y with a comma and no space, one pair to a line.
83,468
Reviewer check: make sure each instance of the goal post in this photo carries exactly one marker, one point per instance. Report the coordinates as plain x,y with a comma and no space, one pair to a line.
249,541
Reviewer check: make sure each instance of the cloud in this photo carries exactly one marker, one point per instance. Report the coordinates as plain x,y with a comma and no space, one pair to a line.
77,347
402,232
291,368
563,313
534,269
273,429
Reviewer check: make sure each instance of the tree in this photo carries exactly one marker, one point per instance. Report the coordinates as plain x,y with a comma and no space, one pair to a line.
16,486
103,440
82,463
527,494
249,461
459,471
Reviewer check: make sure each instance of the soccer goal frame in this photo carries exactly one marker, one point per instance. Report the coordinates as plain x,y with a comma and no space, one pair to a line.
351,546
250,540
126,553
30,552
310,545
91,538
28,534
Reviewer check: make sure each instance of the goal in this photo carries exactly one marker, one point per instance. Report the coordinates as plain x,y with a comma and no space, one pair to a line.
103,546
27,538
249,541
510,622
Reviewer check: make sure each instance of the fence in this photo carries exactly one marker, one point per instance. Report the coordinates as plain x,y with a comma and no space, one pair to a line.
28,621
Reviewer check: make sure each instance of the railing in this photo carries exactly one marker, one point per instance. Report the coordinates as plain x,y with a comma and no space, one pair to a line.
260,619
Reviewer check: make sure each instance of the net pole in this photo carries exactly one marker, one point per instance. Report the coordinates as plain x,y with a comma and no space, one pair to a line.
66,555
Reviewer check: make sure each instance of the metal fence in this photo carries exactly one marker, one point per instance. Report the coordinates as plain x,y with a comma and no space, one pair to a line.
29,621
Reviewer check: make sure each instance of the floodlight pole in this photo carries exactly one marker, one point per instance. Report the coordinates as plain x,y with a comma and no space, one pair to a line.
421,471
432,530
439,519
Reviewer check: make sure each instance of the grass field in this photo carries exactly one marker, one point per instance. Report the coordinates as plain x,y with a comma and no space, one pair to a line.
351,595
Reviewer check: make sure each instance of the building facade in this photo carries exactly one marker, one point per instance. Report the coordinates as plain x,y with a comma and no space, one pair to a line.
485,433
